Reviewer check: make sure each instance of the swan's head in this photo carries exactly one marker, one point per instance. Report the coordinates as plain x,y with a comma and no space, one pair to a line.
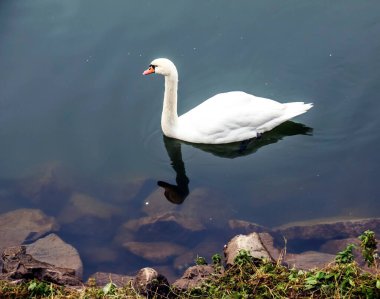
161,66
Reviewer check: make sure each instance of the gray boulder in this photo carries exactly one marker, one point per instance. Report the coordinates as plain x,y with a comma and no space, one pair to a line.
18,265
258,245
194,277
53,250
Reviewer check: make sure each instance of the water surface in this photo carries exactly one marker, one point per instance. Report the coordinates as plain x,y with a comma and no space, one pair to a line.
72,94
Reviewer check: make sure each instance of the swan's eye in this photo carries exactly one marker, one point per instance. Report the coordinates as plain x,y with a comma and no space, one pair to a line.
152,66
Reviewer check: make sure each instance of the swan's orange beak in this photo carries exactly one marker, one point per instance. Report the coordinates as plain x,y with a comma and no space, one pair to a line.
149,71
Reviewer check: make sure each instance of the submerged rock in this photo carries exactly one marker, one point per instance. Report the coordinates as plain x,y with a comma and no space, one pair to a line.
308,260
163,227
17,264
329,229
19,226
194,277
169,219
148,282
85,216
155,252
245,227
204,249
123,190
156,204
335,246
205,205
46,185
54,251
201,204
82,205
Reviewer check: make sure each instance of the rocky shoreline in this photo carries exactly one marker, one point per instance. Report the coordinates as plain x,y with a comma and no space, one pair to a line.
163,236
50,259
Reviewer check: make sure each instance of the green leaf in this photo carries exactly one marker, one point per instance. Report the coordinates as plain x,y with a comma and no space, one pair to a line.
311,280
200,261
32,286
378,284
216,259
320,275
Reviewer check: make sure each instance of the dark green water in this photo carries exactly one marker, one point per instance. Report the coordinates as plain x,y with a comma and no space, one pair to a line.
71,91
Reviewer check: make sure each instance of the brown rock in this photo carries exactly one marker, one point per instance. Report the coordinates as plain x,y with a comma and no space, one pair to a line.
164,227
245,227
125,189
251,243
82,205
329,229
154,251
157,204
102,278
204,205
47,183
308,260
205,249
194,277
23,225
54,251
150,283
17,265
171,218
201,204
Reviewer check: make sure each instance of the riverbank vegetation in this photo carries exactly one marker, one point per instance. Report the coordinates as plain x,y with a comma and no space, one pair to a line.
247,278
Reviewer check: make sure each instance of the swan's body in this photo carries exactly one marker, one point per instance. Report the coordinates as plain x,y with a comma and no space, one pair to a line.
224,118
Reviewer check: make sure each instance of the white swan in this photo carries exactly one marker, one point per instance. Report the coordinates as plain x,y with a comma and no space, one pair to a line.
224,118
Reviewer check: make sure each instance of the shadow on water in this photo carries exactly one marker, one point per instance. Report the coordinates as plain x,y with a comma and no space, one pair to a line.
176,194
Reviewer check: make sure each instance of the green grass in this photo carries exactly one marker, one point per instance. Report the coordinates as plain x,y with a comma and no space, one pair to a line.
263,279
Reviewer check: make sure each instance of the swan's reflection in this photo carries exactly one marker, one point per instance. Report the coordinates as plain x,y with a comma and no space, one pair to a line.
177,193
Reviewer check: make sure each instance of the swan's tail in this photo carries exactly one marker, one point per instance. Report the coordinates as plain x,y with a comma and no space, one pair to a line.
296,108
291,110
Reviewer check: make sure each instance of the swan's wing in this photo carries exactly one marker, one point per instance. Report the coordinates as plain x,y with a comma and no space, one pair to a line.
231,114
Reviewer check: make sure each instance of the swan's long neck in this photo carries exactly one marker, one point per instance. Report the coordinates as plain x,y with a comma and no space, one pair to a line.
169,115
